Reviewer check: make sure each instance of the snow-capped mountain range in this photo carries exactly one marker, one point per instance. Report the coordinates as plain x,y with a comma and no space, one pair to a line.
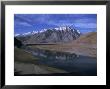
43,30
54,35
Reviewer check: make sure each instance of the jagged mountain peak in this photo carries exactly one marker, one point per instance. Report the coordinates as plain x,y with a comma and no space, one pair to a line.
61,28
52,35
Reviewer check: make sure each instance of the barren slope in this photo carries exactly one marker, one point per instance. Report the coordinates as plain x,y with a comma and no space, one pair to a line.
84,45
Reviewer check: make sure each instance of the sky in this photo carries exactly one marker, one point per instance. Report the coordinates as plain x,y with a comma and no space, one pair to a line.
24,23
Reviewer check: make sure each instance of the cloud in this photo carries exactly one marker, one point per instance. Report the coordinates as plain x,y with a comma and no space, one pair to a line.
86,20
60,23
24,24
82,23
86,25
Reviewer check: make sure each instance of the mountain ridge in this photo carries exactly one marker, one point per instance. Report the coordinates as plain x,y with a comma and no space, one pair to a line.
54,35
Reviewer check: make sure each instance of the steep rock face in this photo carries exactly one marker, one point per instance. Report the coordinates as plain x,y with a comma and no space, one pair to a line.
55,35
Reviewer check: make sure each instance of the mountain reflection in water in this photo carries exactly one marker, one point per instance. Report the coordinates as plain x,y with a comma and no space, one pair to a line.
73,64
